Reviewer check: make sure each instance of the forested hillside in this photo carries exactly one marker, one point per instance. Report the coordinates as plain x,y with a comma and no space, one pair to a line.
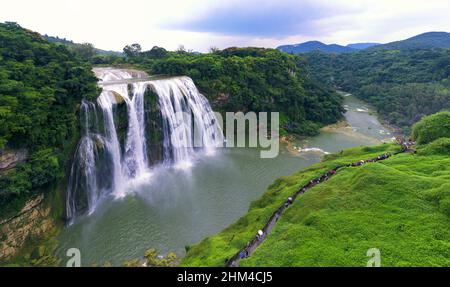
41,86
403,85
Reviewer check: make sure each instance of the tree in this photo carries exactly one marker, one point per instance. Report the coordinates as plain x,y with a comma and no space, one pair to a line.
133,50
181,49
86,51
213,49
41,86
432,127
156,53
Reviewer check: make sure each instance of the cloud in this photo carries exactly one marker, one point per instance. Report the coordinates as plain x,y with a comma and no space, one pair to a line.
339,21
264,19
200,24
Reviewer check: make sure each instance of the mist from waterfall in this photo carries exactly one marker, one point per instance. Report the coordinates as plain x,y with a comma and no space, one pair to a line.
104,164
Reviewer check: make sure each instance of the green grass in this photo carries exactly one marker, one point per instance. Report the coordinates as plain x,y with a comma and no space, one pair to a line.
400,206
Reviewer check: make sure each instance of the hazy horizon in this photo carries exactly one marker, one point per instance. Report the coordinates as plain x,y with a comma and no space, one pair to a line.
201,24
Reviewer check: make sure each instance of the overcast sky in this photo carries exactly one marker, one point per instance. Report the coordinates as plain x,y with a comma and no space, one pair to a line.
201,24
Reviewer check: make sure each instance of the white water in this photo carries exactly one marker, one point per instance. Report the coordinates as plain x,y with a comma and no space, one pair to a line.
179,98
312,149
128,161
84,171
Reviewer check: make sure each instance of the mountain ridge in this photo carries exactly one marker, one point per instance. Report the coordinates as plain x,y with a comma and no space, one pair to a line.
310,46
427,40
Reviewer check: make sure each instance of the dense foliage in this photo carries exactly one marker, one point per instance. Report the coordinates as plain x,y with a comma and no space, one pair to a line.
403,85
41,85
432,127
246,79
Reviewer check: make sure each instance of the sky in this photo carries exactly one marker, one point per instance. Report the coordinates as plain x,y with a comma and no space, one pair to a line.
199,25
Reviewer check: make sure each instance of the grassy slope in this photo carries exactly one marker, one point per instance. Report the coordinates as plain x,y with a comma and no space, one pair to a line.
391,205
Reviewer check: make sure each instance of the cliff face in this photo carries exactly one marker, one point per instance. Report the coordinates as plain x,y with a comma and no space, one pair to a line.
33,221
10,158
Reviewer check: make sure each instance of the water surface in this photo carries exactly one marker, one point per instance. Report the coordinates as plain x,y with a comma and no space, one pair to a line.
174,208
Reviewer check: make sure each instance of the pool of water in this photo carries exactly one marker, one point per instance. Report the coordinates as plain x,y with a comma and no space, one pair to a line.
174,208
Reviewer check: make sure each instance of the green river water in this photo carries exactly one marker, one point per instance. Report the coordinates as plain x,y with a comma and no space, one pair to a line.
174,208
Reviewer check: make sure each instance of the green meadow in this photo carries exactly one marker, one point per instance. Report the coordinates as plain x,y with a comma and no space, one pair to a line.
400,206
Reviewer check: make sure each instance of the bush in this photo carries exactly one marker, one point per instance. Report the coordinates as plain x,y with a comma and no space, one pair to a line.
439,146
432,127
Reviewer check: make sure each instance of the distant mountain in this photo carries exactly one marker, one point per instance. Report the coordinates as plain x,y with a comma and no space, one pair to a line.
422,41
315,46
362,46
66,42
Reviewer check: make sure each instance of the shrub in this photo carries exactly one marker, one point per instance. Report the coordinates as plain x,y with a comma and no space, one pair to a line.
440,146
432,127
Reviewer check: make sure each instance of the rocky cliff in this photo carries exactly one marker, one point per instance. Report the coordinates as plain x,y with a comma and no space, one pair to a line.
33,221
10,158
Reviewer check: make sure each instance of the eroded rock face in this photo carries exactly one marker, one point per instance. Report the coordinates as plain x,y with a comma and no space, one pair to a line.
32,220
11,158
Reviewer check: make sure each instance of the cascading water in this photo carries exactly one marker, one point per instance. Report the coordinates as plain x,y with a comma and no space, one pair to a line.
182,107
135,147
83,175
105,162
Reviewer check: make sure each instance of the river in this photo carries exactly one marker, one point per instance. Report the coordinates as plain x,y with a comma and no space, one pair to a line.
175,208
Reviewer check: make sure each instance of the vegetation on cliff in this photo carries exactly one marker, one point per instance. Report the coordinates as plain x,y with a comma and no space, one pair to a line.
41,86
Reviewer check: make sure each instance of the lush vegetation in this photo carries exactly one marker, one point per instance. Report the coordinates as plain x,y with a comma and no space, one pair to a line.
403,85
41,86
400,206
245,79
432,127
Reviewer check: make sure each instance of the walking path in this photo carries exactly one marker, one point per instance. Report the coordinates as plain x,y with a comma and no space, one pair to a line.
261,234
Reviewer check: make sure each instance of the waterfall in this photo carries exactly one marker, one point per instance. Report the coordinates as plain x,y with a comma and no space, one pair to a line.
108,158
135,147
83,174
178,98
106,101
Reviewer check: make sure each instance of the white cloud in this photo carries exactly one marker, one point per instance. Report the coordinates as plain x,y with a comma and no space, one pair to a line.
113,24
